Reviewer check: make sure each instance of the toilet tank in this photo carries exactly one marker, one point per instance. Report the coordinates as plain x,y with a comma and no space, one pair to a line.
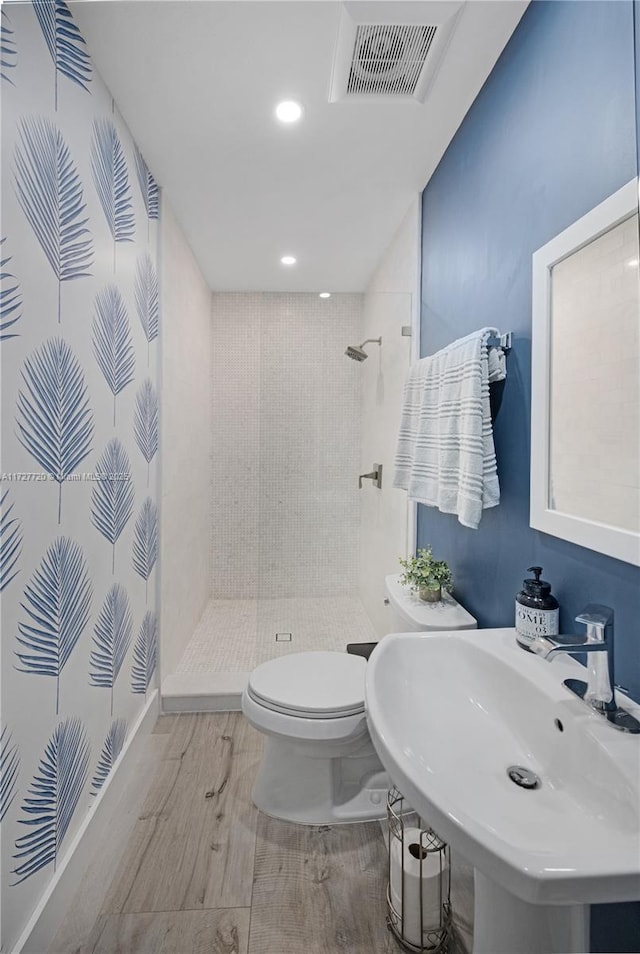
410,614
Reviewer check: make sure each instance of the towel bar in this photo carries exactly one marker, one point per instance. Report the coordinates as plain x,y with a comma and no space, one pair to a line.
504,341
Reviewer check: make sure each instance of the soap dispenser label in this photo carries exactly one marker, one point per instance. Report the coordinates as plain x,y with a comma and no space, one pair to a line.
532,623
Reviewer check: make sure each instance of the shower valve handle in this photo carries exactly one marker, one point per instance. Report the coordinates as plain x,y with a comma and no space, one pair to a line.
375,475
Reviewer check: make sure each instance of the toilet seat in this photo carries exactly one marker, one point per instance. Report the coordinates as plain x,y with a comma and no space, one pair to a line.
313,685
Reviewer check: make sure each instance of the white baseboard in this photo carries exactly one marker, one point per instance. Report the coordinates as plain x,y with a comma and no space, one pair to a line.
203,691
45,921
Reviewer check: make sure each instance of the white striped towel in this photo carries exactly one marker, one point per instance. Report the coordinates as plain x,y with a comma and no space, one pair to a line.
446,457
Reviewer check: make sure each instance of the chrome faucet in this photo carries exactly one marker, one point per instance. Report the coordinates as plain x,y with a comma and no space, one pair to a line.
599,691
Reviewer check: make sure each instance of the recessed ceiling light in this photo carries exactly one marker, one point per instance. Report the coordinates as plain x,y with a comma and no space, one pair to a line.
288,260
288,111
632,263
325,294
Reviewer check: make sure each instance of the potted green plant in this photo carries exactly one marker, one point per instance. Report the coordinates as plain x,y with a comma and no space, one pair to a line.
426,575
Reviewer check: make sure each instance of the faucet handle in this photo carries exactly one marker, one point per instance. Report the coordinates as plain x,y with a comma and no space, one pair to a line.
595,614
375,475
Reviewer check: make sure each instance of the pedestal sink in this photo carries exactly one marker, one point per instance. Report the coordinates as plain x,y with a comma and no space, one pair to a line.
450,714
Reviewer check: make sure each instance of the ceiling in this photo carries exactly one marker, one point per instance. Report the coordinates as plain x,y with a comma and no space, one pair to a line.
197,82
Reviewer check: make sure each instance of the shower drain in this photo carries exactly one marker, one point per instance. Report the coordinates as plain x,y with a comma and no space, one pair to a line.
523,777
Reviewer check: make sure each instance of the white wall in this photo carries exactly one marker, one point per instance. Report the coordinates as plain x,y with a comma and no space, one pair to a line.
186,442
388,305
286,445
78,654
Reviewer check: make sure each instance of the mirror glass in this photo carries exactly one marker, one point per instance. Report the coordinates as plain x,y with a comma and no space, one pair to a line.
594,433
585,413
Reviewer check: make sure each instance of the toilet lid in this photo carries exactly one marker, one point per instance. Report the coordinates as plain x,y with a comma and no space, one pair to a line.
319,685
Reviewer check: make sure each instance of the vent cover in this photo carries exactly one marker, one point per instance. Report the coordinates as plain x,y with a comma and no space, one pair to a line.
390,51
388,59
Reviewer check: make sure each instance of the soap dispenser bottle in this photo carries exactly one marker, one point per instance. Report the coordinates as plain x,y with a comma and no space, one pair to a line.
537,610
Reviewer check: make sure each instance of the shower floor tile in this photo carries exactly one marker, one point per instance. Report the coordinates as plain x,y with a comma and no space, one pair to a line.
224,639
237,635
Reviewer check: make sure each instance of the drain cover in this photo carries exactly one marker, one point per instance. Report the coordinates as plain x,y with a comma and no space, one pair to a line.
523,777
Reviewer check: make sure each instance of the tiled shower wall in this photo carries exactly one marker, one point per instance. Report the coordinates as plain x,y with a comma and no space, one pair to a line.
385,514
186,466
286,445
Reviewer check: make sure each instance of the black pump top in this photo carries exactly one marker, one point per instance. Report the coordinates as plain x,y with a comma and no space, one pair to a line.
536,587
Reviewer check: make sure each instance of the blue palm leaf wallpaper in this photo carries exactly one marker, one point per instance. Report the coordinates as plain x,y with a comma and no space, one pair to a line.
112,342
9,769
8,52
147,297
10,300
54,419
79,315
112,494
112,637
110,751
10,542
53,796
145,654
111,178
145,422
65,43
56,606
145,540
50,194
148,187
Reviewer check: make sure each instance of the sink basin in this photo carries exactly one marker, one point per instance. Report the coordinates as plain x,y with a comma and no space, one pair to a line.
449,713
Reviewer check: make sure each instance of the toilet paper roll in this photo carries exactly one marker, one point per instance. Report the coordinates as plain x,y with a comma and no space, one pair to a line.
409,856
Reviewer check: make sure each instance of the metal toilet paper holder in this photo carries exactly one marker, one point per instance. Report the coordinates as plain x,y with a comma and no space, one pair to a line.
401,818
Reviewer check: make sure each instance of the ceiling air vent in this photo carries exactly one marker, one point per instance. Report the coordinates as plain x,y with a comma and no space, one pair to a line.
389,52
388,60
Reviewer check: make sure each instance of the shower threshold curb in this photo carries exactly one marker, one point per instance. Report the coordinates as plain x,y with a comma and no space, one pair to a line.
203,691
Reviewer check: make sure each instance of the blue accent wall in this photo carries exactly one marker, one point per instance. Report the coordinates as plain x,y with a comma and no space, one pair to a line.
551,134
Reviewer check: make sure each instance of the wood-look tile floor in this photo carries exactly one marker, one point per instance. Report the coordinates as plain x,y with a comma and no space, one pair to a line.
205,873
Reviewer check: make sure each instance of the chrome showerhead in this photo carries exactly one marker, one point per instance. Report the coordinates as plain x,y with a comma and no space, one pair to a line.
357,352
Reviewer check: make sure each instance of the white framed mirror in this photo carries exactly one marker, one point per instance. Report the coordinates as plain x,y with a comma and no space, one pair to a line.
585,396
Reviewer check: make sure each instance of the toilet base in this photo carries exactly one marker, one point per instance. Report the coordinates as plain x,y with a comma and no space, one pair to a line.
294,787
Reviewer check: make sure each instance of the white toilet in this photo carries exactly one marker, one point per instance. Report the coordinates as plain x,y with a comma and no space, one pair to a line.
319,766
